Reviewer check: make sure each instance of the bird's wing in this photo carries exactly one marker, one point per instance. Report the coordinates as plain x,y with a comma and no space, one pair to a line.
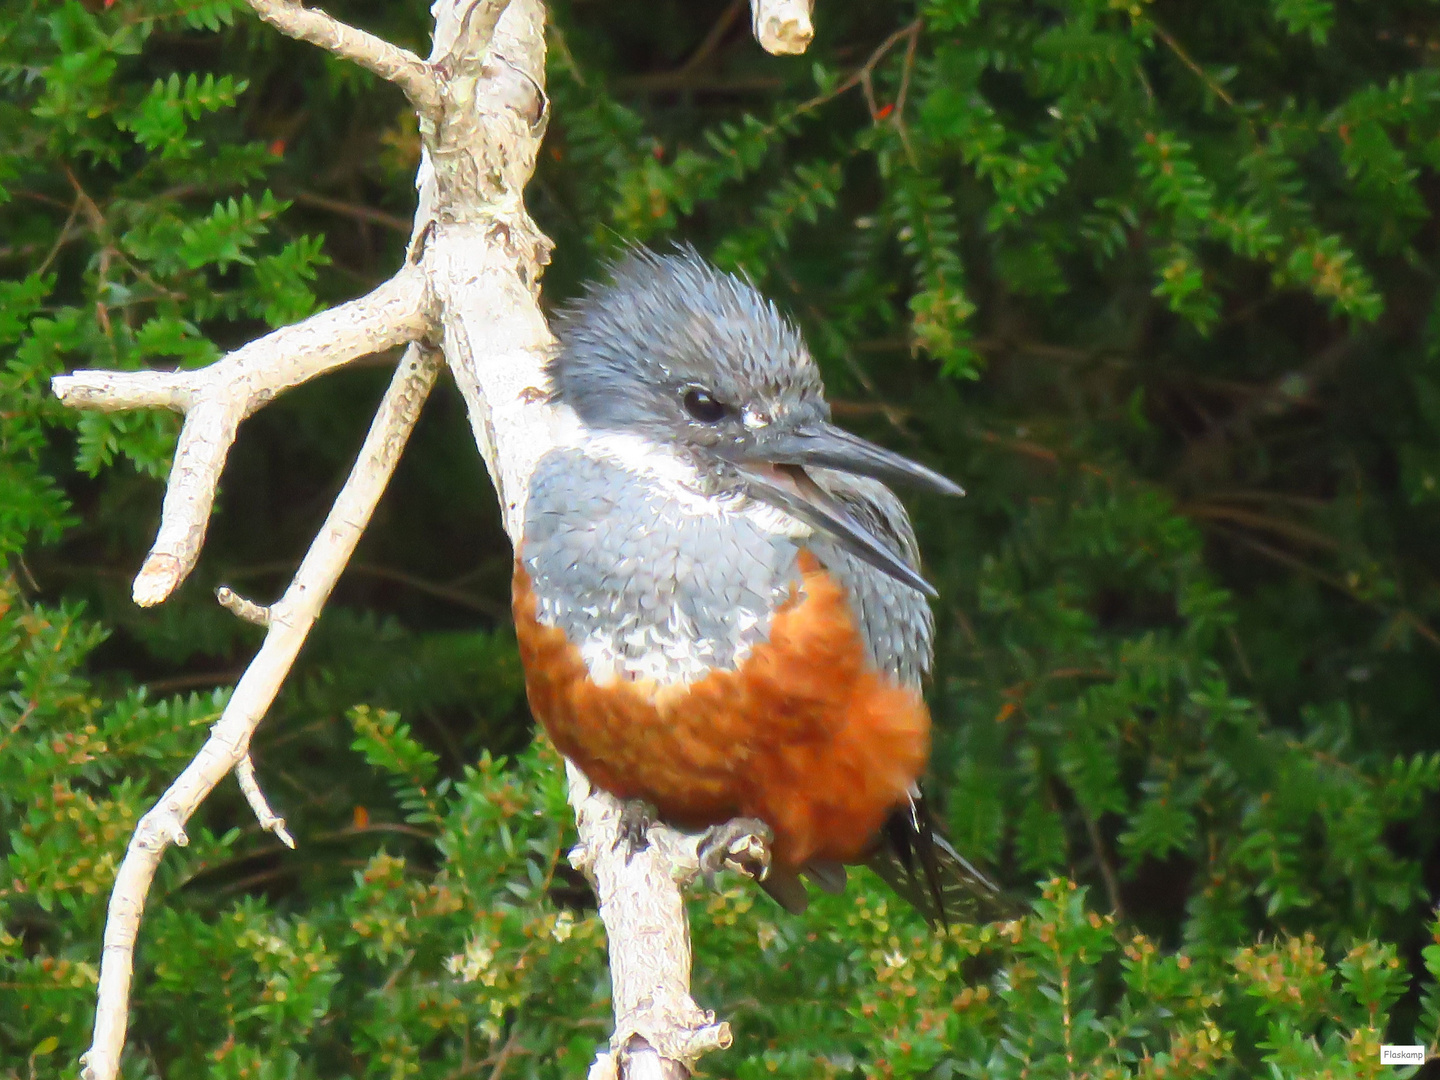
894,620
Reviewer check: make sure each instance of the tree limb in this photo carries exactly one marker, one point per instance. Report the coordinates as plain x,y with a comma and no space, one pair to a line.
464,53
659,1030
215,399
290,620
390,62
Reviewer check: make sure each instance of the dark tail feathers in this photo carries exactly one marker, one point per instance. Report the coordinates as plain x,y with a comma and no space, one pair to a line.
915,859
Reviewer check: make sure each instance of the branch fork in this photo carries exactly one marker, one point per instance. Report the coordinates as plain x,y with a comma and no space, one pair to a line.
215,400
467,296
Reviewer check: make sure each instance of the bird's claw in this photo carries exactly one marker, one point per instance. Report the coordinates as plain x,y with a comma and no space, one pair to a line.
742,845
636,817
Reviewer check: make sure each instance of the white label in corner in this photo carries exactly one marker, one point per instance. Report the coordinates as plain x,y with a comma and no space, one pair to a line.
1402,1055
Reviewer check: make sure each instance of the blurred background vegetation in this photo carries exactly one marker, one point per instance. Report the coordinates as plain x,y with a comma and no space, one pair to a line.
1155,280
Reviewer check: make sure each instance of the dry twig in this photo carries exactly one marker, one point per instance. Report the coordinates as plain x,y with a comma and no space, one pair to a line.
390,62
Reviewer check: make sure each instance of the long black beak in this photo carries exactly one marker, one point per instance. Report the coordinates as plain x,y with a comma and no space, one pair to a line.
773,471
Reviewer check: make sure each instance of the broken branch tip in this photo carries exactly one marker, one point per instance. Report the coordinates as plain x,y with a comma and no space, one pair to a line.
157,579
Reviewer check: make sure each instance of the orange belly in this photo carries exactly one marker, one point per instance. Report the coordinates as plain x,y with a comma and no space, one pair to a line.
804,735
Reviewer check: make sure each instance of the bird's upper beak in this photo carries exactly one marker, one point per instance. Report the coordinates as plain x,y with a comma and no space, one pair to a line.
773,467
831,447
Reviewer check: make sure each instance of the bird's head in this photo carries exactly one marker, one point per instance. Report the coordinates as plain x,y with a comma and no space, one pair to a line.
697,361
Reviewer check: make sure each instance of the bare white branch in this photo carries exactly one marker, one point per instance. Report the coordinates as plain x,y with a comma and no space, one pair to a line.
200,453
478,161
229,742
487,255
659,1029
215,399
250,787
390,62
464,53
114,391
241,608
782,27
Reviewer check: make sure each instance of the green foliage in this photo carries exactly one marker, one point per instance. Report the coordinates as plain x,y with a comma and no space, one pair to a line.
1155,281
387,746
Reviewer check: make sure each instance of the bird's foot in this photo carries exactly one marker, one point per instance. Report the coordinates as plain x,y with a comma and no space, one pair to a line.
741,844
636,817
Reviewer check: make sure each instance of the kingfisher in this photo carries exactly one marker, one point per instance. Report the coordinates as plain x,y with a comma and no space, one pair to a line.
716,595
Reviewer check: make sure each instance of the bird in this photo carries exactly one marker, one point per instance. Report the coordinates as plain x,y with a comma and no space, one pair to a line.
717,597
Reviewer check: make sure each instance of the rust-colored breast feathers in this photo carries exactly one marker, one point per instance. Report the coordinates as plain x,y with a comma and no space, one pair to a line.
803,734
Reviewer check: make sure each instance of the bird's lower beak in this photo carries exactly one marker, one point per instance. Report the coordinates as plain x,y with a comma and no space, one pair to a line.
773,470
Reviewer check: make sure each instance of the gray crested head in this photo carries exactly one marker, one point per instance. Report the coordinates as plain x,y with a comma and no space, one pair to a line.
699,363
675,350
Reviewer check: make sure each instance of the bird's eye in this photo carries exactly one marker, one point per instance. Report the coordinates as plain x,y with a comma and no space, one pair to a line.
703,406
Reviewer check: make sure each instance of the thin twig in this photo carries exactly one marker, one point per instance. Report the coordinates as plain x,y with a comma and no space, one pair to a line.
505,1051
390,62
60,240
250,786
1185,58
352,210
863,72
1281,396
1295,563
867,87
907,67
684,77
1214,511
441,592
242,608
668,82
1107,872
713,38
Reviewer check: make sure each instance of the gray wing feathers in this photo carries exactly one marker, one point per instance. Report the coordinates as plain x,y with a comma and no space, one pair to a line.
895,620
